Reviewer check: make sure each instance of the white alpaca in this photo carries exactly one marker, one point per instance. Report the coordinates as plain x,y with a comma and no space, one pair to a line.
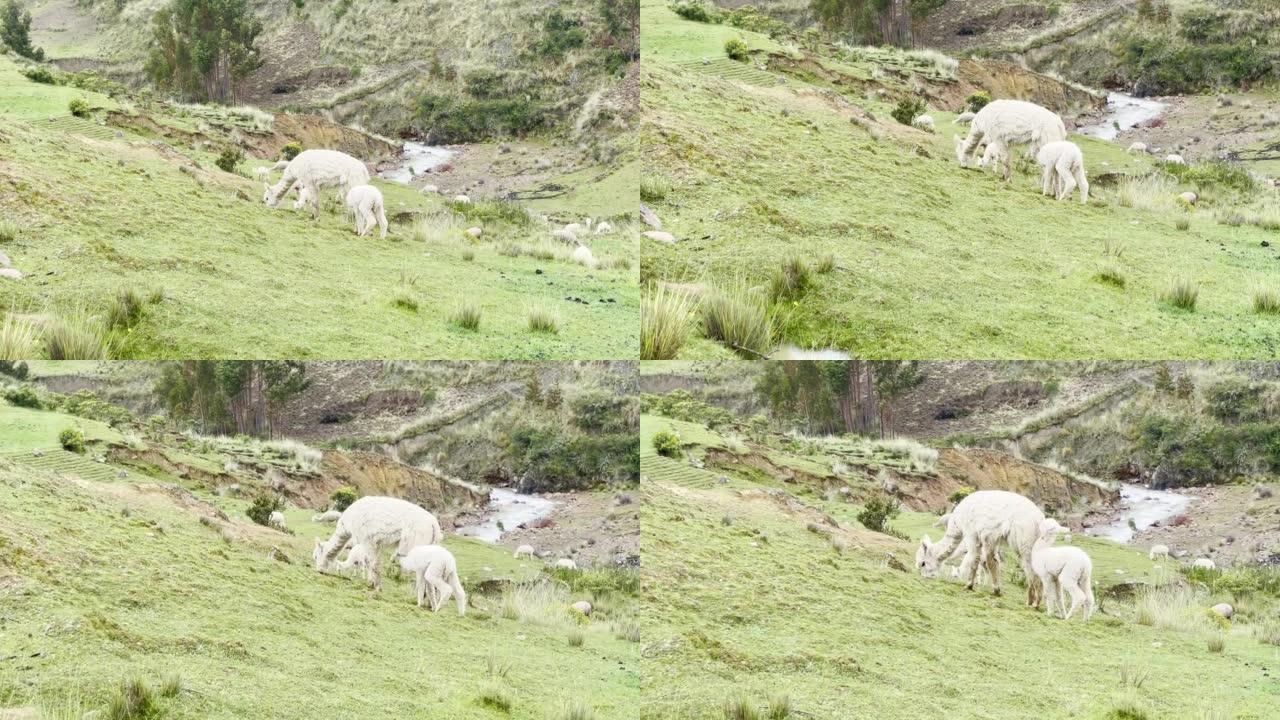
525,551
1189,197
583,256
1175,159
361,556
923,122
1205,563
1137,148
566,564
262,173
435,574
1062,568
1158,551
604,228
565,236
993,155
280,165
1063,170
1011,122
378,521
327,516
983,523
965,117
316,169
276,520
462,199
365,202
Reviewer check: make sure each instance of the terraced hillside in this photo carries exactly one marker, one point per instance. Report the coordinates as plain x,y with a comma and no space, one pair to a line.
833,225
764,597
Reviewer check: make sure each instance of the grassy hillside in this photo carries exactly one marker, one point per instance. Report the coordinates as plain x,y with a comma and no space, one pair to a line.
751,596
139,577
909,254
89,211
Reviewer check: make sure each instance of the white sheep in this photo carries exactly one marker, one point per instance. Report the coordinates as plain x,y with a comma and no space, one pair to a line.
1205,563
583,256
280,165
1175,159
565,236
431,189
923,122
984,522
1062,568
1158,551
604,227
1011,122
1224,609
566,564
463,199
316,169
525,551
365,202
435,574
965,117
1138,147
262,173
1063,170
579,228
276,520
378,521
1189,197
327,516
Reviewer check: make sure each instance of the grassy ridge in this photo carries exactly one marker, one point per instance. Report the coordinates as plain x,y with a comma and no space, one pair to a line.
106,580
243,280
932,260
743,599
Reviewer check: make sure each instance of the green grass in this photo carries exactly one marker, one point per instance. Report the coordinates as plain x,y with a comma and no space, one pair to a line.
243,280
935,261
165,596
23,429
846,636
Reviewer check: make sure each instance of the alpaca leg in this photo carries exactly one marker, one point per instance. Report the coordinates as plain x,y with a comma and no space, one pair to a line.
1067,183
1083,183
382,221
420,586
993,569
442,592
314,200
973,549
1050,594
459,594
1047,179
374,571
1077,598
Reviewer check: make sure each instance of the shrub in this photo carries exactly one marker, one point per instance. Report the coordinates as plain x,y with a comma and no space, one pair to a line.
23,396
41,75
133,700
736,49
19,339
665,319
229,158
877,511
976,101
291,150
71,439
18,370
342,498
960,494
466,316
736,315
1266,301
653,189
666,444
697,12
450,119
79,107
1182,293
908,109
791,280
263,505
560,34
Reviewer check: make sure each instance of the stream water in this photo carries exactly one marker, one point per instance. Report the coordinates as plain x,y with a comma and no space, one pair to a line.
1144,507
510,509
1123,112
415,159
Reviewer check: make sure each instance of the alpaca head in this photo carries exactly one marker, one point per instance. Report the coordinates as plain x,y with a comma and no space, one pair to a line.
270,196
960,153
1048,530
318,555
926,562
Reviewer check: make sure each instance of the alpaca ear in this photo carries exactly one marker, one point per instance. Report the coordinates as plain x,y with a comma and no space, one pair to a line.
925,542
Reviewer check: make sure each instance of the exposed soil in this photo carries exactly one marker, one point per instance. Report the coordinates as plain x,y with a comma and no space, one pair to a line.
594,529
1229,524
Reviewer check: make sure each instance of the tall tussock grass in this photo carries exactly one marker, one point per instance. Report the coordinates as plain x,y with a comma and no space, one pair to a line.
19,338
737,315
666,317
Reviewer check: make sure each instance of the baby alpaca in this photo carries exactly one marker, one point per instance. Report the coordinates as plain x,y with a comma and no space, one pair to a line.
1063,165
1137,148
524,550
262,173
1158,551
276,520
365,202
1062,568
1011,122
1205,563
435,573
566,564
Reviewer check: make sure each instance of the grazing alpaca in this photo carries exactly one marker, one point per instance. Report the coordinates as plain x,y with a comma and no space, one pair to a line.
1011,122
983,523
524,550
376,522
1062,568
262,173
566,564
314,170
1158,551
365,202
1063,170
435,574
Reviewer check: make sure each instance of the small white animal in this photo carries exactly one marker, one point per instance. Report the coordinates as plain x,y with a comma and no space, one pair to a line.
965,117
1205,563
1137,147
524,550
1175,159
1063,166
1161,551
923,122
462,199
1189,197
327,517
262,173
430,189
435,576
276,520
1224,609
604,228
365,202
566,564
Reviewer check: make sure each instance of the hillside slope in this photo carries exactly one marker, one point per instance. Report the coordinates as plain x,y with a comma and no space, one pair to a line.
915,256
91,210
754,594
